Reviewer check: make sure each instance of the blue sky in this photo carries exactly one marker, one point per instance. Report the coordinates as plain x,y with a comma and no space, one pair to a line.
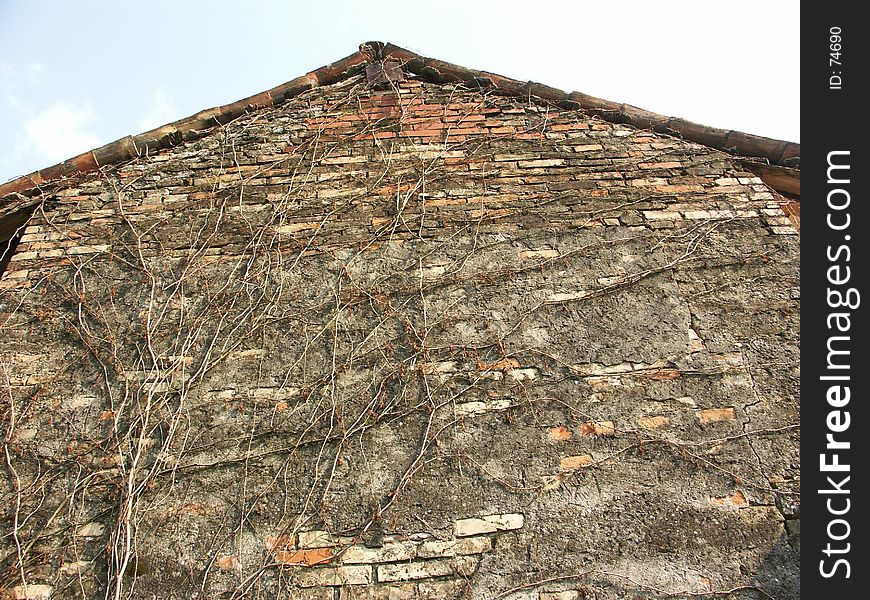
76,75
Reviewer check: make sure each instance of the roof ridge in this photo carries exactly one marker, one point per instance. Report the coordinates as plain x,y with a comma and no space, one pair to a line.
778,152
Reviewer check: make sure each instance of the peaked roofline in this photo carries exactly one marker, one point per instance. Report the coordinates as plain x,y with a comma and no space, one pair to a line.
780,160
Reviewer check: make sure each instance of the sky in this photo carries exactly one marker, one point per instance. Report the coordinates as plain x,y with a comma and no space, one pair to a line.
77,75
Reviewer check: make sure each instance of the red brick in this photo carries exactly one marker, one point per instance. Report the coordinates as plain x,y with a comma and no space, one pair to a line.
426,123
428,111
738,498
712,415
603,428
664,374
227,562
421,133
464,118
560,434
653,421
465,107
468,130
307,558
570,463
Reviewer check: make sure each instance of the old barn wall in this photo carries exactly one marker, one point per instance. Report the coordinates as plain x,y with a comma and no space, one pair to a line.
415,343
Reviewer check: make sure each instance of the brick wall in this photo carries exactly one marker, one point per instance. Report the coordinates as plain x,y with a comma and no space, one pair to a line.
417,343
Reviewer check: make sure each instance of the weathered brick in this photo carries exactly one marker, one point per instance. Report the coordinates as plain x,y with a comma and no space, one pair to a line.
446,366
540,163
76,568
572,185
479,408
461,566
658,215
318,593
396,591
569,463
92,529
393,552
653,182
735,499
603,428
660,165
334,576
712,415
279,542
568,296
343,160
653,421
566,595
679,189
440,590
314,556
450,548
340,192
560,433
488,524
542,253
227,562
696,344
569,126
523,374
33,591
19,256
297,227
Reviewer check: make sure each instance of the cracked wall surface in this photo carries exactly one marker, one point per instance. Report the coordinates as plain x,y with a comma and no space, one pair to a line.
425,342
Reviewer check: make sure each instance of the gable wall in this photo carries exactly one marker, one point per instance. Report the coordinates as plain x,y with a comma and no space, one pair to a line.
423,341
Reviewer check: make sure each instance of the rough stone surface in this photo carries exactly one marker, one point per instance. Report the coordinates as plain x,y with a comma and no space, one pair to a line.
359,317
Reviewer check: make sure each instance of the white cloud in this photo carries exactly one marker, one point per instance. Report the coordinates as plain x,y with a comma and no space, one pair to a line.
11,100
160,112
7,85
33,73
59,132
